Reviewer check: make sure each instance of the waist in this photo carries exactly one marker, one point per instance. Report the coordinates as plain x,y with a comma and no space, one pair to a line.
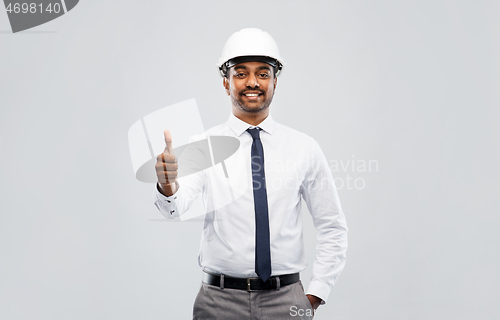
249,284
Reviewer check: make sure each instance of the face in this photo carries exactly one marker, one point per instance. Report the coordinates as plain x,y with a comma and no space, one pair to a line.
251,86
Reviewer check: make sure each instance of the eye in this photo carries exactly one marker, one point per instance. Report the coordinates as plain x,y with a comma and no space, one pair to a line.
239,74
264,75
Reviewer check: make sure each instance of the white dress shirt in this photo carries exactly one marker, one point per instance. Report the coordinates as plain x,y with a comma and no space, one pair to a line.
295,168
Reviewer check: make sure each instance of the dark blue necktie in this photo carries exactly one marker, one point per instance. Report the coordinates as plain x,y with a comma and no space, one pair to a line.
262,246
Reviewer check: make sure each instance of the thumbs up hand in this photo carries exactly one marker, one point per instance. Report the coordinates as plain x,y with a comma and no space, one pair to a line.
166,168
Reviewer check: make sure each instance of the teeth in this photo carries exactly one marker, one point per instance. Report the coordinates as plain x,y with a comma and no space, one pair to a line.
252,94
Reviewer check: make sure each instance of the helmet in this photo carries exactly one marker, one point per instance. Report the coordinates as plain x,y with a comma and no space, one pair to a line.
250,44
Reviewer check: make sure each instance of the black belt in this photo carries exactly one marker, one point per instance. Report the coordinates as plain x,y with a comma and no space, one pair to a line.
249,284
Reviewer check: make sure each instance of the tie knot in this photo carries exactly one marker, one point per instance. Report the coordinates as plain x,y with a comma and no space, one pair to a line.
254,132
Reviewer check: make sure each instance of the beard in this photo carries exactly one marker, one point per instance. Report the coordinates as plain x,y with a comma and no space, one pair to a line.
250,108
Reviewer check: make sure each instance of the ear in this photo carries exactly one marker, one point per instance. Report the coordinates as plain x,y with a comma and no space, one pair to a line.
275,81
225,84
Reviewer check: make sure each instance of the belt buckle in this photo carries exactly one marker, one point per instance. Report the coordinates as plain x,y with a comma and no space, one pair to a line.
249,289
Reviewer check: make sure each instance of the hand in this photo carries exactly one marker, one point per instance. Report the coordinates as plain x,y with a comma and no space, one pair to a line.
315,301
166,168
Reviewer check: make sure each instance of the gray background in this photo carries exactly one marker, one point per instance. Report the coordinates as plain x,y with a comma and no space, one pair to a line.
412,85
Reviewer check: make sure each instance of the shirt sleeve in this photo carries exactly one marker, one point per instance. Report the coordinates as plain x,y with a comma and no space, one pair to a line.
175,205
320,194
166,205
189,188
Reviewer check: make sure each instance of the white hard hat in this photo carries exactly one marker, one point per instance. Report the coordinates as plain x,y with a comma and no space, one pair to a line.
250,44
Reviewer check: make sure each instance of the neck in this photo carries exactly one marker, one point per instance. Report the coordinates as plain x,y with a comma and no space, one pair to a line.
251,118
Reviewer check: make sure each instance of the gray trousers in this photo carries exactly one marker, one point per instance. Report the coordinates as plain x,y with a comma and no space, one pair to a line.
289,302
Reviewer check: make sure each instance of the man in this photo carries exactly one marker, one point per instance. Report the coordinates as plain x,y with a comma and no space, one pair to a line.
252,248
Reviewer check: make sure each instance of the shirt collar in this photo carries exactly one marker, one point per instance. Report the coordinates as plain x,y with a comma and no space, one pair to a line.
240,126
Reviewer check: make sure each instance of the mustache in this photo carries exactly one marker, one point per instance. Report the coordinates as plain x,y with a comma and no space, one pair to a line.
242,92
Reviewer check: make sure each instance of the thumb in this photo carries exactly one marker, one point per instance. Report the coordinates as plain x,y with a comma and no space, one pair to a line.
168,142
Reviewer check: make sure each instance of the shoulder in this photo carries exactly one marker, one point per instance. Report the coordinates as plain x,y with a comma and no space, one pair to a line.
220,129
304,145
291,134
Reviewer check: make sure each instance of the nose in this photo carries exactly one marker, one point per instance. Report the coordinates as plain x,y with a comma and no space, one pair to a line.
252,81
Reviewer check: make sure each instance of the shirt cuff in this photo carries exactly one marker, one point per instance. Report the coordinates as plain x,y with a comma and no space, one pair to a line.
164,197
166,204
319,289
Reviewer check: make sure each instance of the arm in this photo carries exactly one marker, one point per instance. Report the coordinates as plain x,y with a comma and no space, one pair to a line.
168,197
320,194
